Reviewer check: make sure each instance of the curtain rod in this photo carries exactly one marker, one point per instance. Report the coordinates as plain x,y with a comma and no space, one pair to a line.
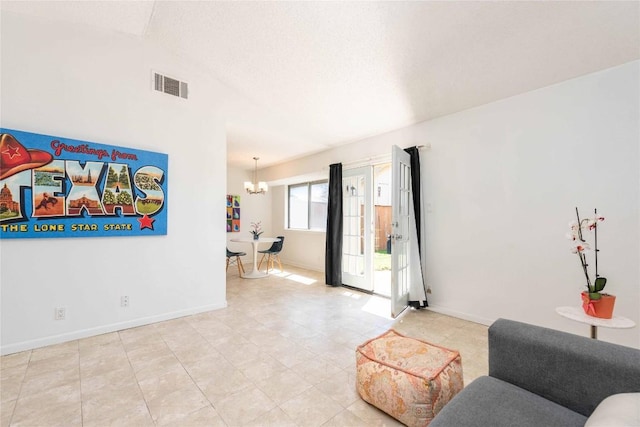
379,158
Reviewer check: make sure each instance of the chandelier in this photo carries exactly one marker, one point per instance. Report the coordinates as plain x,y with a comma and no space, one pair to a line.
256,187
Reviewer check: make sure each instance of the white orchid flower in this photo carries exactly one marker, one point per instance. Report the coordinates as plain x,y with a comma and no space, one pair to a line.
592,223
574,233
580,247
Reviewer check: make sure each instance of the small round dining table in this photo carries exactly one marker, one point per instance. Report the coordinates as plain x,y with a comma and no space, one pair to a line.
255,274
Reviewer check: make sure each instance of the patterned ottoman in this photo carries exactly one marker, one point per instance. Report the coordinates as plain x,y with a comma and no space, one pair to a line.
407,378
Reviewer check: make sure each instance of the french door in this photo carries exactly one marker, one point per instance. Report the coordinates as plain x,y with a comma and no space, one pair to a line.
400,221
357,207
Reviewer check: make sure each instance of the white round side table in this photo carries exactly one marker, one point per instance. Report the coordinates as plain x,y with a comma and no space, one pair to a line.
255,273
578,314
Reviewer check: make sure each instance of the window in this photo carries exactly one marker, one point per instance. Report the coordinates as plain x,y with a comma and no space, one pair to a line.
308,205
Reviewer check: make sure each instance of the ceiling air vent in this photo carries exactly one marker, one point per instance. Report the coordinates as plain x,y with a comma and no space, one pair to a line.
170,86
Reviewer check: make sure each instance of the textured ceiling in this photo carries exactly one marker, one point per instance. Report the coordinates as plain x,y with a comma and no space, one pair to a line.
124,16
312,75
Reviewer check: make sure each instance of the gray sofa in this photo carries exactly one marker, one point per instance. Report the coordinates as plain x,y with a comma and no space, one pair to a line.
542,377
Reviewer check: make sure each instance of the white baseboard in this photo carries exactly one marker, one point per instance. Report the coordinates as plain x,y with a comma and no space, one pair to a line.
460,315
85,333
305,266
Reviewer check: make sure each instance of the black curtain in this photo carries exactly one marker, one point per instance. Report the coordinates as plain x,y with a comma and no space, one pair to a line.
414,152
333,250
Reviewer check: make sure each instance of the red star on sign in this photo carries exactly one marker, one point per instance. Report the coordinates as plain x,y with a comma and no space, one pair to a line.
9,153
146,222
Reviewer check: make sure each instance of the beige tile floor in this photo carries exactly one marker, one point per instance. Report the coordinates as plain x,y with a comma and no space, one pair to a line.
281,354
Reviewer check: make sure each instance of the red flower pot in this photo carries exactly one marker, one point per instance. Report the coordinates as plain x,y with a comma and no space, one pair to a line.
602,308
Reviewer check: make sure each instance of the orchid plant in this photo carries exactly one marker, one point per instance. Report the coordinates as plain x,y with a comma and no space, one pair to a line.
580,246
256,229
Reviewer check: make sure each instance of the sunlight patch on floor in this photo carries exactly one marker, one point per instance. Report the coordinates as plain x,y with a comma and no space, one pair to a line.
295,277
353,295
379,306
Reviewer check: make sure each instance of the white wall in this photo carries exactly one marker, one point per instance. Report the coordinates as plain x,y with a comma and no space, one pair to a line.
503,180
253,208
74,82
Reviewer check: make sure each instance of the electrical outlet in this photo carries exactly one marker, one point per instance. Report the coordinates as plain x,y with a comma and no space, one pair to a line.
60,313
124,301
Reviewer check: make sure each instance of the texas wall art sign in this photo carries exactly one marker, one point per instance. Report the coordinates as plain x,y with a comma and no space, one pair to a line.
58,187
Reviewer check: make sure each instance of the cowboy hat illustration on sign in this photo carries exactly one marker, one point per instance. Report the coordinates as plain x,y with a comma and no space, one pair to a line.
14,157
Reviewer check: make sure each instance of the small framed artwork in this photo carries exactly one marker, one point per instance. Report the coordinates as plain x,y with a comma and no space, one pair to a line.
233,213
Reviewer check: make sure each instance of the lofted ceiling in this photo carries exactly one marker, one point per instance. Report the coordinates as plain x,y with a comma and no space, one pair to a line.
312,75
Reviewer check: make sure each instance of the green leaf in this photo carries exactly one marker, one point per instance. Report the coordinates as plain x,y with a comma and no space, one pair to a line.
599,284
594,295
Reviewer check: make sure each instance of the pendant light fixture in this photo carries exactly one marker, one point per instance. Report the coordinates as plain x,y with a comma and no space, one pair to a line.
256,187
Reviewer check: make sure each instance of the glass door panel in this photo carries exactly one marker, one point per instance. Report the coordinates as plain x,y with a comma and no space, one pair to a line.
400,217
356,248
